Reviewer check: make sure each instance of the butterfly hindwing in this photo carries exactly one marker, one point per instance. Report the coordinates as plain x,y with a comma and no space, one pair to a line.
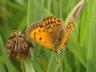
65,36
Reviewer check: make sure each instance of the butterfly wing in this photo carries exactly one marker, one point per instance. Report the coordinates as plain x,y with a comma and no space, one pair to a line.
39,34
53,25
64,36
70,21
46,31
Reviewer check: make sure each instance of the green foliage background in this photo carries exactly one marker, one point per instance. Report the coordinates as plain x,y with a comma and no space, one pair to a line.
80,52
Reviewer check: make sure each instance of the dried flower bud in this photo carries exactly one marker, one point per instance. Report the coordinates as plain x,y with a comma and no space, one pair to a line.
18,45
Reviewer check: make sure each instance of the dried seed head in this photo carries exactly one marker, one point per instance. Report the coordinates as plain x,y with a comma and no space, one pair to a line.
18,45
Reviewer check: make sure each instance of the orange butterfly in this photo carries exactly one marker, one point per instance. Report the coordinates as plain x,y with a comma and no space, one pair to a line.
50,32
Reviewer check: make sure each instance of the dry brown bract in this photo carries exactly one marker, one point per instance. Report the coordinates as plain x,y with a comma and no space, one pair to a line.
18,45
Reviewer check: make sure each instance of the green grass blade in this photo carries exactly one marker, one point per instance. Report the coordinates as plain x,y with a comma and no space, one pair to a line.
36,11
28,66
92,38
4,58
54,63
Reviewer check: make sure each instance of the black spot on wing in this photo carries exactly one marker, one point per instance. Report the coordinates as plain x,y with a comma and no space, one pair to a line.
40,38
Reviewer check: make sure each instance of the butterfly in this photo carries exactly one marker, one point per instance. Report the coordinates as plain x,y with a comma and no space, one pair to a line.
50,32
18,45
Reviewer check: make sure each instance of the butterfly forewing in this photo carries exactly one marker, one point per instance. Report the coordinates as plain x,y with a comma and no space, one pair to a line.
39,34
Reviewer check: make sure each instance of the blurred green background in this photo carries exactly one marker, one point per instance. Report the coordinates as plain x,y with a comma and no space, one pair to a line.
80,52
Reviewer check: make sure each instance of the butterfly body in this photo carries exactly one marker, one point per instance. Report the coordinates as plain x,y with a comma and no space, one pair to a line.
48,32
